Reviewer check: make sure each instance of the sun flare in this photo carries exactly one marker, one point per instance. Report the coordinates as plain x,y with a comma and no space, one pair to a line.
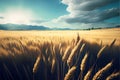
18,17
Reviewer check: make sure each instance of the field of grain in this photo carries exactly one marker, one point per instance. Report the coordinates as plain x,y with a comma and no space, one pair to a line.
60,55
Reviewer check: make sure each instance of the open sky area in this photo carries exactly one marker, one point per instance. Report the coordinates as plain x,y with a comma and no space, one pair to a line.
61,13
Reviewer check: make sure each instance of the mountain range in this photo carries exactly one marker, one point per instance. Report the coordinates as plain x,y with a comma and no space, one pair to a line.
27,27
22,27
35,27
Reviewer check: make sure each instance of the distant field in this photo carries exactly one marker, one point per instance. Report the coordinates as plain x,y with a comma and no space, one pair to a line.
60,55
104,35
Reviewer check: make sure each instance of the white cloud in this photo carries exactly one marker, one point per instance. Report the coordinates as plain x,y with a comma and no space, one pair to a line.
91,16
86,5
82,14
86,12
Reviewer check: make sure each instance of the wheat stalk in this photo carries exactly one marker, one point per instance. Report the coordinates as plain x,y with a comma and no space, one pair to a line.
66,54
61,52
83,63
113,42
82,66
100,73
77,39
36,65
70,73
53,66
113,75
100,51
87,76
80,55
101,43
74,51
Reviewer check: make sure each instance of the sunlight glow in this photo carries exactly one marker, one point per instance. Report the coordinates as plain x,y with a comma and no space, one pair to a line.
18,17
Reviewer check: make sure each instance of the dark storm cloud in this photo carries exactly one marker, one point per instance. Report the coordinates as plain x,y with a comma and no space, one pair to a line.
86,5
114,12
94,17
88,11
93,4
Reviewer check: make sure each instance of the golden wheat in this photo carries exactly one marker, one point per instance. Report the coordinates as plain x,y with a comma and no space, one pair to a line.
77,39
70,73
36,65
74,51
59,58
82,66
83,63
100,51
100,73
113,42
66,54
113,75
88,74
80,54
53,65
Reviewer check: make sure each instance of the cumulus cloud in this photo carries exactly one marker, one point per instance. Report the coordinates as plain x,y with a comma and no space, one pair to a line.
88,11
93,17
86,5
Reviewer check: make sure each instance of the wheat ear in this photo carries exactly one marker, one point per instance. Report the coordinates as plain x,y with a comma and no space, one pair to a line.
83,63
87,76
74,51
78,38
70,73
100,73
100,51
36,65
53,66
113,42
66,54
80,55
113,76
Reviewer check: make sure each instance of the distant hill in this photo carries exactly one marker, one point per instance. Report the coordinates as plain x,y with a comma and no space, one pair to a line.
118,26
61,29
22,27
35,27
27,27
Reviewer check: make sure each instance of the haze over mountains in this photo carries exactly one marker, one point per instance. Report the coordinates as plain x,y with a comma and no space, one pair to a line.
27,27
36,27
21,27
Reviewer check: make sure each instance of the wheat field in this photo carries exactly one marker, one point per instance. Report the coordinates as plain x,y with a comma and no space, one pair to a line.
60,55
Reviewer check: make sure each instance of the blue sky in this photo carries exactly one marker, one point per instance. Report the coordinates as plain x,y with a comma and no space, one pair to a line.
47,9
61,13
